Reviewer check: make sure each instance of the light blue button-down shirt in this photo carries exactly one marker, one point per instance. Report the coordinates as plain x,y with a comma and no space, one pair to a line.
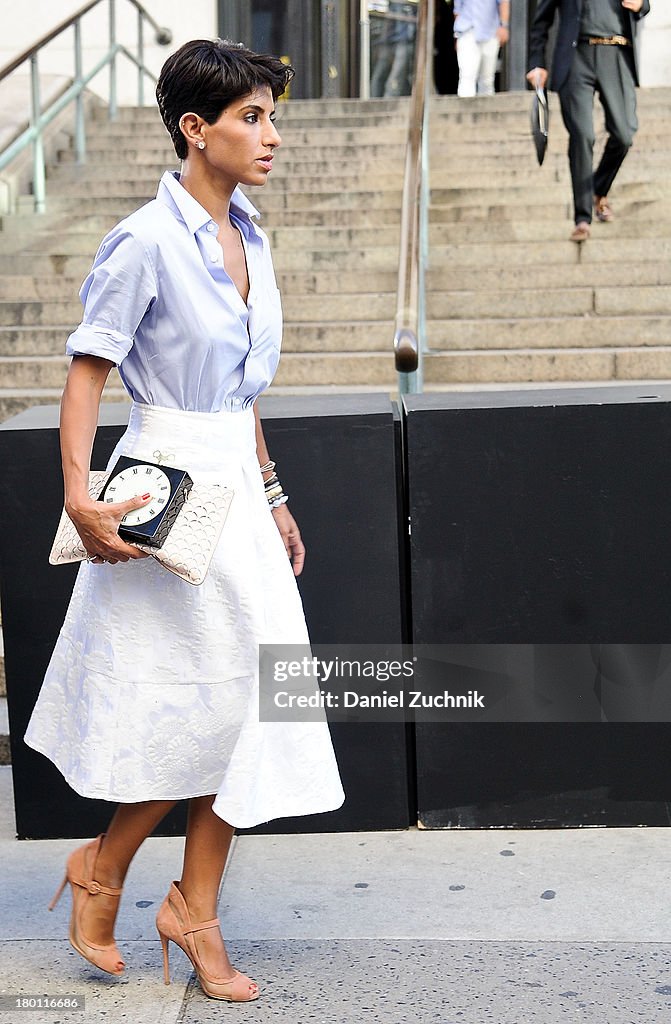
480,15
160,305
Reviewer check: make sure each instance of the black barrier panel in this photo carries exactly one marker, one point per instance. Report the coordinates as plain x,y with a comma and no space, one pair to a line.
541,517
337,457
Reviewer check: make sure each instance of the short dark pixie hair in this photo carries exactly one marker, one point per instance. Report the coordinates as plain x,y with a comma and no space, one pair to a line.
206,75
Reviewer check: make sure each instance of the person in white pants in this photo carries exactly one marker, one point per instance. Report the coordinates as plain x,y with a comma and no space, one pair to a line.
480,28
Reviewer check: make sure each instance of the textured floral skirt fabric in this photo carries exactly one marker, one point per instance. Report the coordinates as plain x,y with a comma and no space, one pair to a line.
152,689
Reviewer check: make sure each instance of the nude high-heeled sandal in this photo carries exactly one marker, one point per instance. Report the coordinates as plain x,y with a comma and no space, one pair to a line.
79,872
173,923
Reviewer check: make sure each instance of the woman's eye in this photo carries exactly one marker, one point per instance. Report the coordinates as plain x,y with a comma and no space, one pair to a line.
251,118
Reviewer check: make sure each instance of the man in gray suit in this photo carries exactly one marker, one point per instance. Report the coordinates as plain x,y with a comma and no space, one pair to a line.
595,50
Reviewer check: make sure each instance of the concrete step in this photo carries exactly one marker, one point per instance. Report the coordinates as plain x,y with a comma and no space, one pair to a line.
657,96
487,119
18,372
45,287
315,134
468,367
469,254
117,170
15,400
495,278
348,214
658,210
336,368
40,313
31,342
285,110
355,172
23,348
114,208
457,304
540,203
48,256
47,264
482,240
333,210
145,186
589,331
469,126
549,365
533,193
568,302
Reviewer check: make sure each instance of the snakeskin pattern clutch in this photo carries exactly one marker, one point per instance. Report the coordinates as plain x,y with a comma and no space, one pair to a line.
187,550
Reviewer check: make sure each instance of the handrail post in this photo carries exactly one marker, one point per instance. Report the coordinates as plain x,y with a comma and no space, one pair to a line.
80,128
39,183
140,58
410,337
364,45
112,26
424,200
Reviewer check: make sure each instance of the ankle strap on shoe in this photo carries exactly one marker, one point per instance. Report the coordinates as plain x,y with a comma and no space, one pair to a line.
95,887
214,923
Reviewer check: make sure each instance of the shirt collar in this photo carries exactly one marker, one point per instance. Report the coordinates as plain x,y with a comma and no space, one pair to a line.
192,213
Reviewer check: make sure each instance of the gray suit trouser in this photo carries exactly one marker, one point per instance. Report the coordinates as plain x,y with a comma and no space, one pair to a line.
607,70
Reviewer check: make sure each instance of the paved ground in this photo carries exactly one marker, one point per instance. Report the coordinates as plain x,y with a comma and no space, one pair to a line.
394,927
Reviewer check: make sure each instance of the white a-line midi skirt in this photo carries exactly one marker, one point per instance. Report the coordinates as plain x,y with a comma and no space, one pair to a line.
152,689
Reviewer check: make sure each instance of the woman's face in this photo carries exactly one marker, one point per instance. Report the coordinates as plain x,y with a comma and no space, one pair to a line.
240,145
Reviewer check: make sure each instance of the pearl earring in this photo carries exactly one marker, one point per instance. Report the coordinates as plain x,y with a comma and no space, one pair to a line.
200,144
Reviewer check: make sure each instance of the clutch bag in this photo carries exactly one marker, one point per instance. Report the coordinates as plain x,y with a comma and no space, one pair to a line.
189,546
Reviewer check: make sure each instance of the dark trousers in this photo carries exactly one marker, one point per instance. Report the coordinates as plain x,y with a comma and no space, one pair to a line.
607,70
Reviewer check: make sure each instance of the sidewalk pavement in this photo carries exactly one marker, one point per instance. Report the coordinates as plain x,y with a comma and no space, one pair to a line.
451,927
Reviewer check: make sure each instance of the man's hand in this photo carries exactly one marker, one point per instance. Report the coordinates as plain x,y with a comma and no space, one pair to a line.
633,5
503,34
539,76
291,536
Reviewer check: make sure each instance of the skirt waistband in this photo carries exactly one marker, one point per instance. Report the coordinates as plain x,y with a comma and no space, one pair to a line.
189,439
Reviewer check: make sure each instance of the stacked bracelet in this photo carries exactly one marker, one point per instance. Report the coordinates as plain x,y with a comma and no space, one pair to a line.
273,487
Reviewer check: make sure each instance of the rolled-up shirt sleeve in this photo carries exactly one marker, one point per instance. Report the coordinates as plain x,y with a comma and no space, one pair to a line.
116,295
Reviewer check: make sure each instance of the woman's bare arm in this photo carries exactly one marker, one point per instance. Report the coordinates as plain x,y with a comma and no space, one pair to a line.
97,523
284,520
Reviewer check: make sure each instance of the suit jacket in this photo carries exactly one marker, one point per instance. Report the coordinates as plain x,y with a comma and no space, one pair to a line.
567,36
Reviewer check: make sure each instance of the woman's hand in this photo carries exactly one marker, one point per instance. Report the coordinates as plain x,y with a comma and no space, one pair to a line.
291,536
97,523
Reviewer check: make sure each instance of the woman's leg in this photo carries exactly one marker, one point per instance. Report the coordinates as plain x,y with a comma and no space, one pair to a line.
489,55
468,58
208,840
129,827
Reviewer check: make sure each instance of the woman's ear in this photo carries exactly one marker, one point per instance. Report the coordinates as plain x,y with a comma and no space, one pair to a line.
190,125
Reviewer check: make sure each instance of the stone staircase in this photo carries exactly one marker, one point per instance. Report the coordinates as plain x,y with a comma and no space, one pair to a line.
510,299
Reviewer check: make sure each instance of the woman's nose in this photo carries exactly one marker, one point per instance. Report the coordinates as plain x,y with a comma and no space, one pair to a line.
273,137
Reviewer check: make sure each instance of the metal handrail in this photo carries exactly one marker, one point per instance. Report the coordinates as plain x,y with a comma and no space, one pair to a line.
410,320
40,119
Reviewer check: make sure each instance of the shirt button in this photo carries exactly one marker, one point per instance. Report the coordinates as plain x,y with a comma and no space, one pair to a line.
211,226
214,258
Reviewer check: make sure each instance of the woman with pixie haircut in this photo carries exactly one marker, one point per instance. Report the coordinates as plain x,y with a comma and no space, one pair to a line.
151,695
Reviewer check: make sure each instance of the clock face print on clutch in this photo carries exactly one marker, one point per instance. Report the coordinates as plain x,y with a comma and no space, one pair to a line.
141,479
169,488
